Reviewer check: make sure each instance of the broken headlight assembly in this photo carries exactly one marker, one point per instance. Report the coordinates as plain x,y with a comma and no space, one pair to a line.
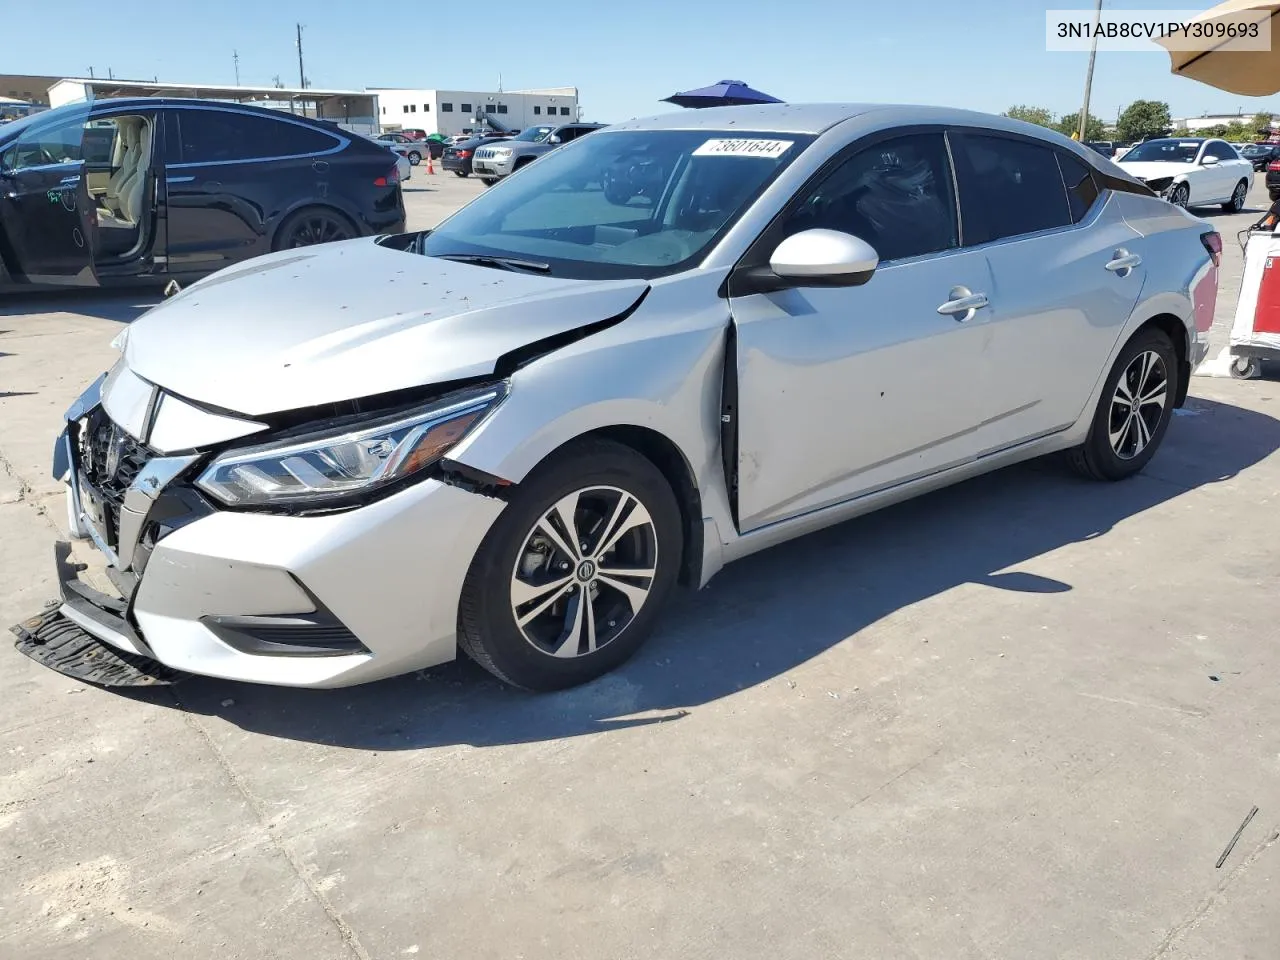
323,469
1159,185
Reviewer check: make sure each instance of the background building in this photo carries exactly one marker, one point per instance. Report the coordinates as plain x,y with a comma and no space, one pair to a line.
355,110
32,89
1211,120
451,112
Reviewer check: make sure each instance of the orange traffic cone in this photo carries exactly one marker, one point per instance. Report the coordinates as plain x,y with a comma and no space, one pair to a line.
430,169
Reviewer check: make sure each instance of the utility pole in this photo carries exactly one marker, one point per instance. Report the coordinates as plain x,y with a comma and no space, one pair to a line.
1088,78
235,57
111,74
302,77
91,76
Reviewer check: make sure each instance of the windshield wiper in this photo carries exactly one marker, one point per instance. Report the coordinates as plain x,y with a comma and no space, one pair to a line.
502,263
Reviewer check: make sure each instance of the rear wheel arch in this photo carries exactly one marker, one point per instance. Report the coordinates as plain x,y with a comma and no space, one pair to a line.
277,234
1178,334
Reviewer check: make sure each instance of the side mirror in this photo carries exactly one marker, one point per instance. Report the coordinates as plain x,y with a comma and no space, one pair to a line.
824,258
812,258
1208,161
553,139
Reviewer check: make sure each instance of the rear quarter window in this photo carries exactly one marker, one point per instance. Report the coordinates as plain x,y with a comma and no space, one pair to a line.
221,136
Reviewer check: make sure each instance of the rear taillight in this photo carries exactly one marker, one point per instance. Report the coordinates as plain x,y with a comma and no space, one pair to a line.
1213,243
464,154
1274,165
391,178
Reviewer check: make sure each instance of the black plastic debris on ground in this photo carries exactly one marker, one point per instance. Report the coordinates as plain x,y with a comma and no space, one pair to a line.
62,645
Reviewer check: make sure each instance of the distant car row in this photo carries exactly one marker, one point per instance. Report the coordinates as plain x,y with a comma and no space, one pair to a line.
499,155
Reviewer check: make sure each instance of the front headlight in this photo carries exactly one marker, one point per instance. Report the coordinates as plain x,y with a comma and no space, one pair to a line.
321,469
1160,184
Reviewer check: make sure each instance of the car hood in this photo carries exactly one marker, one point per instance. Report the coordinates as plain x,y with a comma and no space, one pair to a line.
1154,169
348,320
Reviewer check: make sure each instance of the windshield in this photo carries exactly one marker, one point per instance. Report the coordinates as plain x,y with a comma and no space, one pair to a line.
534,135
1168,151
625,204
14,129
1255,150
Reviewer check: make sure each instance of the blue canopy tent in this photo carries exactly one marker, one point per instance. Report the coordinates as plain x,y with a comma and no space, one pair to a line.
726,93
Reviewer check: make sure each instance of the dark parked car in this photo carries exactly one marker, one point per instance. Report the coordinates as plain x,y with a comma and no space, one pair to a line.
459,156
1260,154
1106,148
155,189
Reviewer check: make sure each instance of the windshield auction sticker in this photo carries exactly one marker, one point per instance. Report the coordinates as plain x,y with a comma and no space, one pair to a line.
769,149
1159,30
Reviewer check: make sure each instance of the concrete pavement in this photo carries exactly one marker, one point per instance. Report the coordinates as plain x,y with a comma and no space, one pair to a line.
1018,718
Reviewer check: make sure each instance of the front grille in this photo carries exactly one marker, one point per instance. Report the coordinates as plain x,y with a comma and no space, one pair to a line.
110,460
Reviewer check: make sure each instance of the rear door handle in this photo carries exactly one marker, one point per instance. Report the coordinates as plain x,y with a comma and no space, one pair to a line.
963,304
1122,262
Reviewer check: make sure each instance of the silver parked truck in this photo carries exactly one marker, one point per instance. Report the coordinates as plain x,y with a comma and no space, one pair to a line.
514,435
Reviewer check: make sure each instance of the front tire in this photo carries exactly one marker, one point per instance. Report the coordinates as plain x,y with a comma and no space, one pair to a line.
1133,412
1238,196
568,583
1244,368
488,181
1180,195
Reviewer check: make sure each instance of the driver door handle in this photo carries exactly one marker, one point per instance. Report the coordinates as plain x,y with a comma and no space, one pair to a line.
1122,262
963,304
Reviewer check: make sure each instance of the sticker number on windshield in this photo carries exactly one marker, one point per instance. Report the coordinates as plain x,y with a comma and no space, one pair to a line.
769,149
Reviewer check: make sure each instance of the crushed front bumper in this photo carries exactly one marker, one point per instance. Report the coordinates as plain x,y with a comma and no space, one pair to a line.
310,601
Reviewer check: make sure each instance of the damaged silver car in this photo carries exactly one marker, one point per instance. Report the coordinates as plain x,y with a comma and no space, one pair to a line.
516,433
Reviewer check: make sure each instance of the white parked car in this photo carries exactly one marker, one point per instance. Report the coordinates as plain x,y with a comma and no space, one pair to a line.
1192,171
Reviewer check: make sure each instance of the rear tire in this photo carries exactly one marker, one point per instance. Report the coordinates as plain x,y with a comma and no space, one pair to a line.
460,173
415,158
558,558
1123,439
312,225
1238,196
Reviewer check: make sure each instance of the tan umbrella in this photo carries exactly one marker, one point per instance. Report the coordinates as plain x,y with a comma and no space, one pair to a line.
1222,63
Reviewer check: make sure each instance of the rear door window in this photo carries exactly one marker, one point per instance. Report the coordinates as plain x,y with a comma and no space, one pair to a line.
1008,187
222,136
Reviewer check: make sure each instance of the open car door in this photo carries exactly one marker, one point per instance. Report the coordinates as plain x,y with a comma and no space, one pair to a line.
46,213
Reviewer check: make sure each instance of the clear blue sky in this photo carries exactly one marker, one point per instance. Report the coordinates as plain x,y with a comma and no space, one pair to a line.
980,54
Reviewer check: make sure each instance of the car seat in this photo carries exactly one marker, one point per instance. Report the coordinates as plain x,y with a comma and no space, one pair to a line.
128,165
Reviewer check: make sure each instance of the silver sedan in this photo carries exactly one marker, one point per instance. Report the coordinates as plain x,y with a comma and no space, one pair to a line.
517,433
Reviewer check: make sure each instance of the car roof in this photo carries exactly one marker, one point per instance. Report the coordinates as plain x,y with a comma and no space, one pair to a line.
815,118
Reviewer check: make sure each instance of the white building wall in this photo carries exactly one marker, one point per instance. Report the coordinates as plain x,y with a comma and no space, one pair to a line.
451,112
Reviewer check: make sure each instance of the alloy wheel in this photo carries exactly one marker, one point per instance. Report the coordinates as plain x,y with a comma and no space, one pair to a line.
1238,197
318,228
1180,196
584,571
1138,404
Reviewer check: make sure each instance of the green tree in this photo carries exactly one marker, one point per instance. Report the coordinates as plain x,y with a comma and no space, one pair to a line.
1036,115
1094,128
1261,124
1239,132
1181,132
1143,119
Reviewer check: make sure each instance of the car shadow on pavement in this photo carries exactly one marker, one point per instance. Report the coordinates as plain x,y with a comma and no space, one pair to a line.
768,613
122,306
